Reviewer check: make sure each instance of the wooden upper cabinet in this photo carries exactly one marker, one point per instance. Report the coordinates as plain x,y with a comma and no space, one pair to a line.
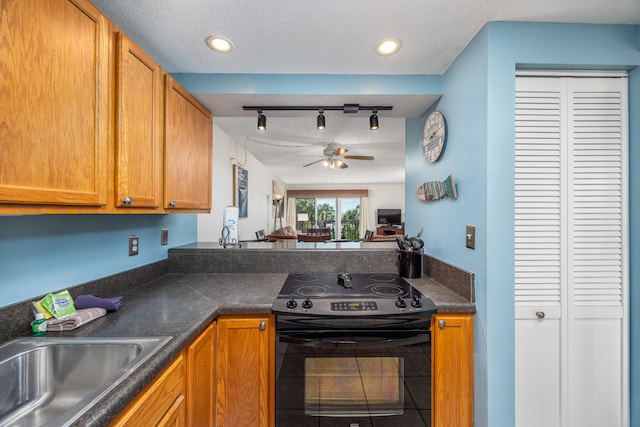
138,150
188,150
53,103
452,370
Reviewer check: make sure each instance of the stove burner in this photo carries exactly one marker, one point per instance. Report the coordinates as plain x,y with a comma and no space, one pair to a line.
383,278
306,278
384,290
349,296
311,290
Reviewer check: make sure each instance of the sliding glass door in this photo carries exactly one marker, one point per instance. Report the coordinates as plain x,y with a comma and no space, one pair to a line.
341,215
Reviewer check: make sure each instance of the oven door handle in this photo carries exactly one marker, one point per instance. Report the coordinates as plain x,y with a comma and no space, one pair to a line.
383,342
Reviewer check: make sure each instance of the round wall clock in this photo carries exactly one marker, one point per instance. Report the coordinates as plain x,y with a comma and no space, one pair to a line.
433,136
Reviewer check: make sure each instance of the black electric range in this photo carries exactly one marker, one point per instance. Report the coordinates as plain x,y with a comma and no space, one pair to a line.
351,295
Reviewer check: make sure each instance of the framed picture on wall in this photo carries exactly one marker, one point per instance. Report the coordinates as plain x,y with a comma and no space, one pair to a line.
241,190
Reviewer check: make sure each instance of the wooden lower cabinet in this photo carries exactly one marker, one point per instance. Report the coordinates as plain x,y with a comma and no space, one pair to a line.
452,370
246,371
201,379
161,403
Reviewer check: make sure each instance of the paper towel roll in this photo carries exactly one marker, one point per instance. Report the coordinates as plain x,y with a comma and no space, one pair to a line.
230,220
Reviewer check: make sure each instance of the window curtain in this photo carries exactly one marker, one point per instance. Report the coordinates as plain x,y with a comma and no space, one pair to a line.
364,216
290,219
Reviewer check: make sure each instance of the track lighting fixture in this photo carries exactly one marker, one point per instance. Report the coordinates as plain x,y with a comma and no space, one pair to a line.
262,121
373,120
320,120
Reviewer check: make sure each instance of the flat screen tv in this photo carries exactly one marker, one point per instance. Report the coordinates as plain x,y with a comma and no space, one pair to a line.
389,216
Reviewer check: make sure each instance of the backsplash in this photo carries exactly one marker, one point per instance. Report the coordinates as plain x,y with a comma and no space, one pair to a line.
16,318
197,259
460,281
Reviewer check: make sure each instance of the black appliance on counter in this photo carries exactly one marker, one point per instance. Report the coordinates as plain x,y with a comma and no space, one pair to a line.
353,351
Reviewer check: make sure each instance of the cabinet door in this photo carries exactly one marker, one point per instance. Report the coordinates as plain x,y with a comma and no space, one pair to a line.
160,403
201,379
53,103
452,370
138,142
188,150
245,371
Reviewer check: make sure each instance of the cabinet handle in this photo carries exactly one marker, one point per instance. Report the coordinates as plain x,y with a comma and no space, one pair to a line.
127,200
172,204
442,324
540,314
263,325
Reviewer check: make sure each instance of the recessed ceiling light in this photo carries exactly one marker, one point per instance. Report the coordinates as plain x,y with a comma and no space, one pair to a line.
388,47
219,44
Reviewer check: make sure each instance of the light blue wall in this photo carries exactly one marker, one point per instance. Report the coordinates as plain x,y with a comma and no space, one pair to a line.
43,253
480,153
464,107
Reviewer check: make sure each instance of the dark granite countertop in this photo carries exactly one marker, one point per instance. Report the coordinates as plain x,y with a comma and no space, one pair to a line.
176,305
181,304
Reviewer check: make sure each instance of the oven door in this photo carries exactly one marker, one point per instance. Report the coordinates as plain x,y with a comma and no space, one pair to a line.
353,378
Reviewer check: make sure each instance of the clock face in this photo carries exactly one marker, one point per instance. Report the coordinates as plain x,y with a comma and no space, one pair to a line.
433,136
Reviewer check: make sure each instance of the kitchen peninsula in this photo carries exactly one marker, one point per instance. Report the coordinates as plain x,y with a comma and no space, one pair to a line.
200,283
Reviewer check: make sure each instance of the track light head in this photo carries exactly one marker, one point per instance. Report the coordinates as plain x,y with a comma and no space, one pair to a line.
320,120
262,121
373,120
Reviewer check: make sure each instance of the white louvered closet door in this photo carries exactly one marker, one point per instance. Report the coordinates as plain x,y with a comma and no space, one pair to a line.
570,252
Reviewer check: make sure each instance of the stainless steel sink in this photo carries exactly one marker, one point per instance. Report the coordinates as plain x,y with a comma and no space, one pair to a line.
52,381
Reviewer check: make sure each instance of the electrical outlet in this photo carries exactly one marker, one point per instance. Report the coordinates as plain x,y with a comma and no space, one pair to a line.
134,245
471,236
164,236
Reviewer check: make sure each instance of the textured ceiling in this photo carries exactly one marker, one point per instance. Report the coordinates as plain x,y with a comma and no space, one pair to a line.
329,37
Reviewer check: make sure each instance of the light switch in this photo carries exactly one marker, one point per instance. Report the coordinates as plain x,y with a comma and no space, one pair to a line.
471,236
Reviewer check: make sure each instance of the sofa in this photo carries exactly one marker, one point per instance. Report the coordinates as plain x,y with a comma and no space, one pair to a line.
283,233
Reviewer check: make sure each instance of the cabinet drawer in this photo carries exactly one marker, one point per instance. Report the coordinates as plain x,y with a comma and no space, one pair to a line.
160,401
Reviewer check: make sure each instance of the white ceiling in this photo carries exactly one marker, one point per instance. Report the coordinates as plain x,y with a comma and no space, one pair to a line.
329,37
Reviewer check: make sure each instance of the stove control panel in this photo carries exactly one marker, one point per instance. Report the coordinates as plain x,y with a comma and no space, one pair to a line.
354,306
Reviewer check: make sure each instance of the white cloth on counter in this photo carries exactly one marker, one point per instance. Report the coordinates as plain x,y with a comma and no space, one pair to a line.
69,323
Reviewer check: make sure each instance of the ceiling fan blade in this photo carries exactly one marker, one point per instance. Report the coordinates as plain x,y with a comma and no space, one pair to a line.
359,157
312,163
340,151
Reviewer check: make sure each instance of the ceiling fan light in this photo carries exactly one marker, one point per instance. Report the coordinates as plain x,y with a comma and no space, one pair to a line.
320,121
262,121
325,163
338,163
373,121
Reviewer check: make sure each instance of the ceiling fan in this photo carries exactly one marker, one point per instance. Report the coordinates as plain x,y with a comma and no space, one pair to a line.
334,157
